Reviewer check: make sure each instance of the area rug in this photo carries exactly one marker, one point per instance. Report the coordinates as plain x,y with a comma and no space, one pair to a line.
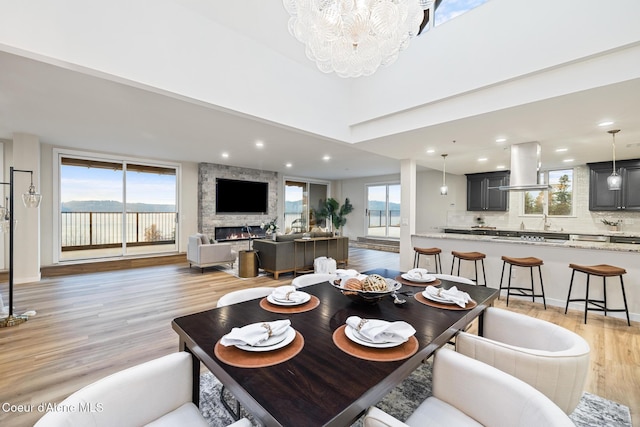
405,398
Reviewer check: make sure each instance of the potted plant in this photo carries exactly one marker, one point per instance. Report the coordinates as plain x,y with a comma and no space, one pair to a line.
270,227
613,225
336,215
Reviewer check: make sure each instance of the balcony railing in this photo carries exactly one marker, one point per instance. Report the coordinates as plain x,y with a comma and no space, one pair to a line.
97,230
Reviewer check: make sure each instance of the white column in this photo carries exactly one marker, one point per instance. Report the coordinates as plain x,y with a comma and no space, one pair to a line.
26,237
407,212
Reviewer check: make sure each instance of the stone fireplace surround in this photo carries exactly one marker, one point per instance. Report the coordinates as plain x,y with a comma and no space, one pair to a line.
209,221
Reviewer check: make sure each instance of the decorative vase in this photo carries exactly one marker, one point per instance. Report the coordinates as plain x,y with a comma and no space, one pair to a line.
273,236
613,228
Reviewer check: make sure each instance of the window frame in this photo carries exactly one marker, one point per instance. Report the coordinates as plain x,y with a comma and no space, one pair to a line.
544,177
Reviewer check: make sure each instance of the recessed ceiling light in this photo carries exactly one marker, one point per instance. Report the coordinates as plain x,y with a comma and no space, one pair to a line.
607,123
561,150
326,158
501,140
431,151
568,160
288,165
259,144
225,155
482,159
500,167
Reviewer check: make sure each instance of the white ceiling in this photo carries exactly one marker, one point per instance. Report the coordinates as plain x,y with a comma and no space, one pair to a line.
68,108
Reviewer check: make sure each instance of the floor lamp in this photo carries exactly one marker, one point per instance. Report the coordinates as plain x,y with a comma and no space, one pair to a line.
31,199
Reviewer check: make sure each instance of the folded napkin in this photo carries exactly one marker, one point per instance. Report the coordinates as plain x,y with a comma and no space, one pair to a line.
452,294
418,274
381,331
255,333
288,293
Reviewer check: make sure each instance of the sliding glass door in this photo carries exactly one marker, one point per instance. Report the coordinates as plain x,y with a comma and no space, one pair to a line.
383,210
301,199
115,208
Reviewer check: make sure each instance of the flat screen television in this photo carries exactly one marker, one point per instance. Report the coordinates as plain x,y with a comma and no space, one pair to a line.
241,197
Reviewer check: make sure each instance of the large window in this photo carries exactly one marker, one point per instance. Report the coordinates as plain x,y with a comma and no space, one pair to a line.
113,208
383,210
301,198
559,199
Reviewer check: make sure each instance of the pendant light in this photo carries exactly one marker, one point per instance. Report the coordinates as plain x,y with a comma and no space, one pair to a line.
614,181
444,189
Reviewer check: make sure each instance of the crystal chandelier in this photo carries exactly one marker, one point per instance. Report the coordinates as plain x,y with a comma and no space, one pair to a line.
354,37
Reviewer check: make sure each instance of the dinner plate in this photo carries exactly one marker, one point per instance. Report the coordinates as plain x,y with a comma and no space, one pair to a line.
272,343
436,298
356,337
274,300
411,278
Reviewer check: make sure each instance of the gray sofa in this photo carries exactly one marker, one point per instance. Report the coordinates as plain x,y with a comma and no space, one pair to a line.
278,256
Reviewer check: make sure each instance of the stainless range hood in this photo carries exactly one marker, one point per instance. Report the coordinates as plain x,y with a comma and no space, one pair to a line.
525,167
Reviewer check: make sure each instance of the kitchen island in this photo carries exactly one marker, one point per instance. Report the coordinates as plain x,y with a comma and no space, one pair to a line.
557,254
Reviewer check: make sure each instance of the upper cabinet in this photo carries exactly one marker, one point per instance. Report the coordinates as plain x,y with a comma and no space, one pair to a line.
480,193
603,199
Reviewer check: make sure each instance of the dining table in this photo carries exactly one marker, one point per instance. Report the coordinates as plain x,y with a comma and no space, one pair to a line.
321,378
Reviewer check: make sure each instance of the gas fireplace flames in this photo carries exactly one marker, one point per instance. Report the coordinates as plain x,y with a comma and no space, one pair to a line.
238,233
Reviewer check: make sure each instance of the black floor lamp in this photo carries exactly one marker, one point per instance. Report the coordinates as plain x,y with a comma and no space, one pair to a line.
31,199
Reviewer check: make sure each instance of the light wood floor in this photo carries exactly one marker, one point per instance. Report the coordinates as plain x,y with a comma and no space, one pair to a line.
92,324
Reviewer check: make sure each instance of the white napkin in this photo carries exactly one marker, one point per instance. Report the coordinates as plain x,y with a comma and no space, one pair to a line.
255,333
381,331
452,294
288,293
418,274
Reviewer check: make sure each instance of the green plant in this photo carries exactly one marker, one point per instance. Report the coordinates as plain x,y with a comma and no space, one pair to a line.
611,223
331,209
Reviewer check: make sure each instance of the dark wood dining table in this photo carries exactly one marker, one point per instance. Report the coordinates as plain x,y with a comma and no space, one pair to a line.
322,385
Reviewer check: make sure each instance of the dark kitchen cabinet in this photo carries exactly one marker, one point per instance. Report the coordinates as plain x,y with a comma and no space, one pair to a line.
481,196
603,199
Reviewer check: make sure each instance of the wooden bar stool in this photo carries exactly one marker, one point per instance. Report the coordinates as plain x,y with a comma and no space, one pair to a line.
470,256
604,271
428,251
529,292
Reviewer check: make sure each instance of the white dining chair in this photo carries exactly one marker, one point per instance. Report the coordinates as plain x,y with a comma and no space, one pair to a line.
235,297
243,295
549,357
312,279
466,392
155,393
452,278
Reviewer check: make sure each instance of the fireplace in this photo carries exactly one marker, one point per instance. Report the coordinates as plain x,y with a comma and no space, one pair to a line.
225,234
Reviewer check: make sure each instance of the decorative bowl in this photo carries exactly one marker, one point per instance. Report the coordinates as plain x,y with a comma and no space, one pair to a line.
368,297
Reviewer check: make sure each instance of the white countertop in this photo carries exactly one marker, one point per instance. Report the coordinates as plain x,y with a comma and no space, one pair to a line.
578,244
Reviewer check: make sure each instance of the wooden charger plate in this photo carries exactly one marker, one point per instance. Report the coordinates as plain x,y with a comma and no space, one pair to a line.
283,309
392,354
247,359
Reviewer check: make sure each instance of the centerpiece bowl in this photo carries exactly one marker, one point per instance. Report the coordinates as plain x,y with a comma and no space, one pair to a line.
367,296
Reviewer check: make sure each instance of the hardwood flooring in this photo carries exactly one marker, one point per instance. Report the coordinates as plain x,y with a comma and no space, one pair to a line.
92,324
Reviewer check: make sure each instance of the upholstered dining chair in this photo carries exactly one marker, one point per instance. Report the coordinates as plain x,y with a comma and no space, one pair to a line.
242,295
235,297
312,279
549,357
467,392
156,393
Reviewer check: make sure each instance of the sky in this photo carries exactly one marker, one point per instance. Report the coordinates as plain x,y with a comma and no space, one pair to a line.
81,183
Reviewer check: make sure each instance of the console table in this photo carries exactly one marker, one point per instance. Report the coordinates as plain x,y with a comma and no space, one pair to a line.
313,243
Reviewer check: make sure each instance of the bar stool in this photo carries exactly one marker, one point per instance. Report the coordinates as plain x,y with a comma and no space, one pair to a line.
522,262
604,271
428,251
470,256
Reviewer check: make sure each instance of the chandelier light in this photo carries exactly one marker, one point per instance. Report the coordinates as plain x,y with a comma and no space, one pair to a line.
354,37
444,189
614,181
